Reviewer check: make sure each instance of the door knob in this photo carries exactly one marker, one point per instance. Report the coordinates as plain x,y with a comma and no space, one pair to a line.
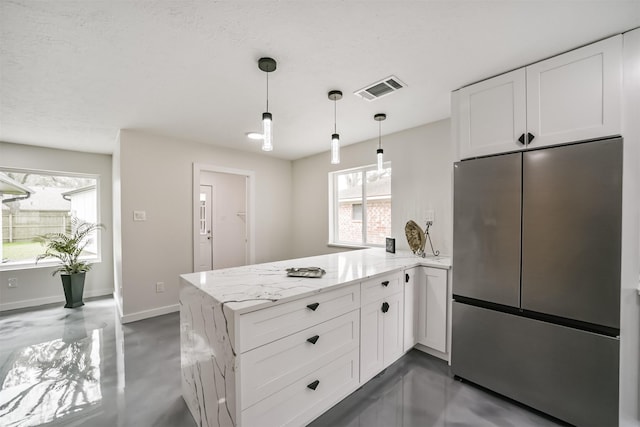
385,307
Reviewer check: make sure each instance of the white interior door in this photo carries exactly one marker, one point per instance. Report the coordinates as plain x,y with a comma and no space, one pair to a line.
231,219
205,258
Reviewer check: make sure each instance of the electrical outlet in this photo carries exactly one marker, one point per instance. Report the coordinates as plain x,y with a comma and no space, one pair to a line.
431,216
139,215
12,282
159,287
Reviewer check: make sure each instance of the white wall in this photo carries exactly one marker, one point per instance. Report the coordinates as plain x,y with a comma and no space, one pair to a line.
630,300
421,159
36,286
156,177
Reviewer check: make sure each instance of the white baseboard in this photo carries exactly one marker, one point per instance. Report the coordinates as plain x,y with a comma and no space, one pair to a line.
140,315
51,300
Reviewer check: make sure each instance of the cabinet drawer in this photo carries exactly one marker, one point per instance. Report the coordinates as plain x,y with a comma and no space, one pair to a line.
297,404
264,326
380,287
269,368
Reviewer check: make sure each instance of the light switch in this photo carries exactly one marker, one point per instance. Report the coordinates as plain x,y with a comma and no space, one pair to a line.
139,216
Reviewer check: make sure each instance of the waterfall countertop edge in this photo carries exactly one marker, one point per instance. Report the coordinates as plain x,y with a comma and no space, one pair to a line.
253,287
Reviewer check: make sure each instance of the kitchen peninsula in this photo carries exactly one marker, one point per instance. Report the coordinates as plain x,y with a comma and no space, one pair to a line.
261,348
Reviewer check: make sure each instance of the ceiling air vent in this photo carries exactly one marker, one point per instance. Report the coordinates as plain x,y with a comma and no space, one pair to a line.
379,89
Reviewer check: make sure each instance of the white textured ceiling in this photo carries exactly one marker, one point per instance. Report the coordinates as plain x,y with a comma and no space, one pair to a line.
74,72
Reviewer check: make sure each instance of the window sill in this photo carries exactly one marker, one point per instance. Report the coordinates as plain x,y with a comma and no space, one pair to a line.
348,246
12,266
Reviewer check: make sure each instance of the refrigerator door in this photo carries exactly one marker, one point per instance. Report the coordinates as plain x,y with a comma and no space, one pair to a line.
565,372
486,229
571,241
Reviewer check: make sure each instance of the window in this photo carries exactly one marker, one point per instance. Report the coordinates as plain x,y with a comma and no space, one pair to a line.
360,206
36,203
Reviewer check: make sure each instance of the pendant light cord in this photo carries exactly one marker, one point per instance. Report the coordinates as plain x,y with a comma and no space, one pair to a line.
267,91
334,116
379,134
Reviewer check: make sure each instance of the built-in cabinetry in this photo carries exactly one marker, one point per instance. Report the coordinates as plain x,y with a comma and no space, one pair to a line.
310,355
427,310
569,97
412,280
268,361
381,324
432,312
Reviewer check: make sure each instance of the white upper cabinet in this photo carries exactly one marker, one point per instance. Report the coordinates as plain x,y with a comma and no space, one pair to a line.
577,95
492,115
570,97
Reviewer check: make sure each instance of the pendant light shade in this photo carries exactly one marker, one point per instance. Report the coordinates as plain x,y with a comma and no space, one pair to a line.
379,152
335,149
267,65
266,132
335,95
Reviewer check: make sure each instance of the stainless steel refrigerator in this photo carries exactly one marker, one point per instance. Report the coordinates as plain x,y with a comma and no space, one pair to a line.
536,278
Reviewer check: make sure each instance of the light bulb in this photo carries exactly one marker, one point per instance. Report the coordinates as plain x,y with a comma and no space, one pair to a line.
266,132
335,149
380,169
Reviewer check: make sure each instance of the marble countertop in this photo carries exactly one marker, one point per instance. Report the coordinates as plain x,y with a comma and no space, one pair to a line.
252,287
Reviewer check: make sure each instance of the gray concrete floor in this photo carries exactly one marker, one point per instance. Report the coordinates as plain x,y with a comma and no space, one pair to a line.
81,367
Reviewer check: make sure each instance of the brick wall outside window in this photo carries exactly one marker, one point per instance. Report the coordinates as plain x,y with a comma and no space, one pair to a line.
378,222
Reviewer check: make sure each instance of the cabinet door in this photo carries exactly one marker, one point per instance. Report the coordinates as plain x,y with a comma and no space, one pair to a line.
433,310
392,321
491,115
371,336
411,283
576,95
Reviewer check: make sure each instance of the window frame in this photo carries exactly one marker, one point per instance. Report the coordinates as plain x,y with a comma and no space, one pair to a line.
47,263
334,207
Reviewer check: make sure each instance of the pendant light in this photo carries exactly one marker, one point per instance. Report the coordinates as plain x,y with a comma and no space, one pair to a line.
379,152
335,95
267,65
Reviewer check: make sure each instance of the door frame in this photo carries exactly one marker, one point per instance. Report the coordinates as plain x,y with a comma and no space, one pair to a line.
250,202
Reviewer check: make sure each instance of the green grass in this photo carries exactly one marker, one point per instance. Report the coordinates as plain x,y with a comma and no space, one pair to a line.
23,250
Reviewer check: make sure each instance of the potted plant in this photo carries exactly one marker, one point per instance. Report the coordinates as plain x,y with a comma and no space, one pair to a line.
67,248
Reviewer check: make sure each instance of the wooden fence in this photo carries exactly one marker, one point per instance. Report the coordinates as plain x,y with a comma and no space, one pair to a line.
25,225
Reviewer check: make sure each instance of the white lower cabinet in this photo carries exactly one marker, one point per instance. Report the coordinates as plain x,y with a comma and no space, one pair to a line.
381,331
272,367
412,282
433,309
297,359
304,399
